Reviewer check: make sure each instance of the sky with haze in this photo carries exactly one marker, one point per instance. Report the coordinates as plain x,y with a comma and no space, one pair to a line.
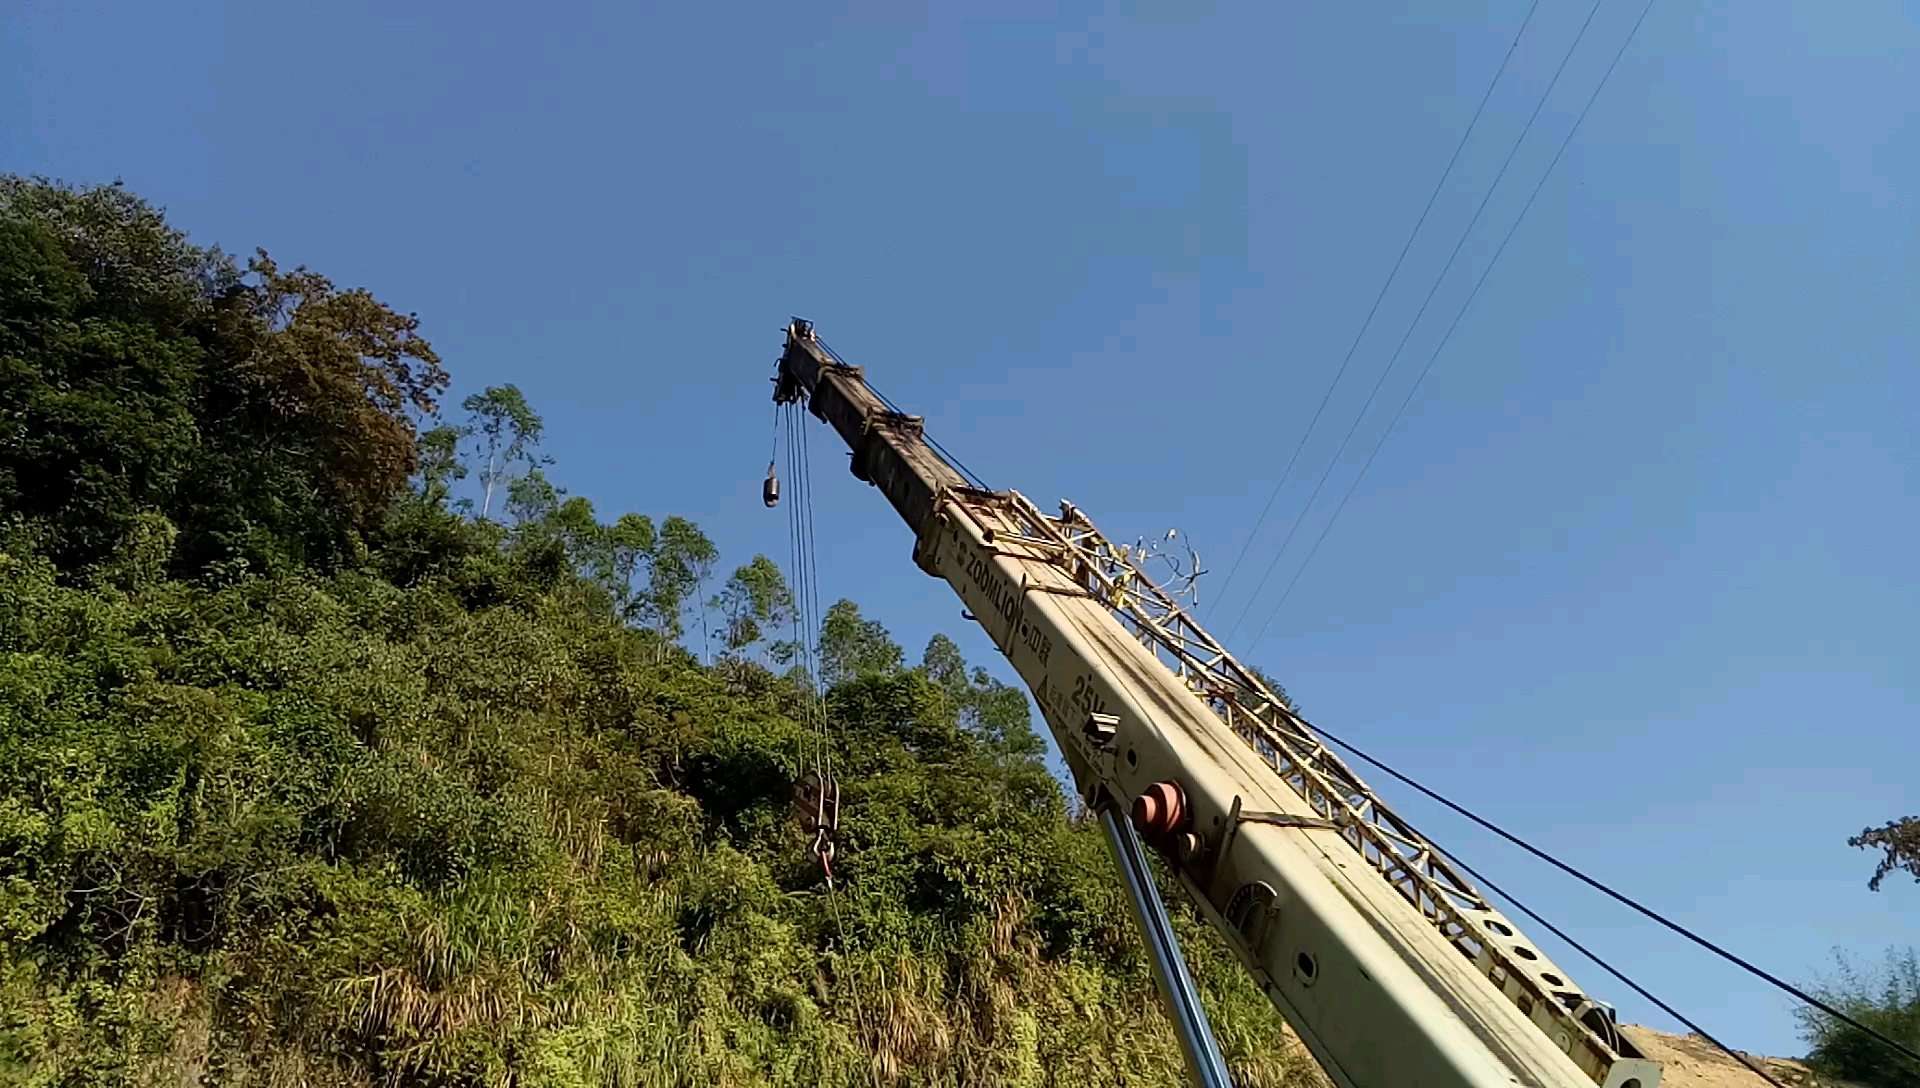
1634,574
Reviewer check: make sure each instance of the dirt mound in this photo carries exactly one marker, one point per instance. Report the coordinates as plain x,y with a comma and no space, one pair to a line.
1692,1062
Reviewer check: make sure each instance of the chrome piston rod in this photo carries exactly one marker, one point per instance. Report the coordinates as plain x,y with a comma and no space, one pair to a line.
1204,1062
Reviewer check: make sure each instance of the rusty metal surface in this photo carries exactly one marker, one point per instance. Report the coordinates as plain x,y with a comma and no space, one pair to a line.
887,446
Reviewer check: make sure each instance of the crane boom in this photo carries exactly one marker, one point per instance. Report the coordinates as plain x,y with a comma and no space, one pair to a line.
1394,971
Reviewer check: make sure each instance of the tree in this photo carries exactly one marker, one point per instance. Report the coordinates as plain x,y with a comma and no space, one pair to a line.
267,414
852,647
137,267
533,502
97,423
995,712
308,407
1273,685
1900,839
755,599
681,562
508,431
440,464
1888,1001
618,553
606,555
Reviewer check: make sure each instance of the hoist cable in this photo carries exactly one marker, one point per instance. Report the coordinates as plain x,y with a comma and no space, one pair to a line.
806,619
814,616
803,579
1375,309
796,615
1455,324
802,568
794,566
1300,518
813,589
1624,900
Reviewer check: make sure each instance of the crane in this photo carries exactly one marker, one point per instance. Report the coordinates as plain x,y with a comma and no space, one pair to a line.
1391,968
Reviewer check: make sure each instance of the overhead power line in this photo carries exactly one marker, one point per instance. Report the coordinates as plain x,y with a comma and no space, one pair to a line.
1455,324
1646,911
1377,299
1300,518
1614,971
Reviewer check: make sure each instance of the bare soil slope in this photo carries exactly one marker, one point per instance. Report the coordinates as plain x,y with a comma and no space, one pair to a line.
1692,1062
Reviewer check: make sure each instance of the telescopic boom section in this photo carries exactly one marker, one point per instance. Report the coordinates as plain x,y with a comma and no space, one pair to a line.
1393,970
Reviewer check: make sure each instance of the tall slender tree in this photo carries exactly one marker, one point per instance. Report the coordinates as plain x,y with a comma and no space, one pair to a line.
682,560
852,646
508,430
755,600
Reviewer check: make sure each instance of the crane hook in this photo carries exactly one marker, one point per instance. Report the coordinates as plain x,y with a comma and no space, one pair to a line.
770,491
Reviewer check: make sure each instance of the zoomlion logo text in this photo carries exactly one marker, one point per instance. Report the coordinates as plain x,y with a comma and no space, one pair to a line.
1004,600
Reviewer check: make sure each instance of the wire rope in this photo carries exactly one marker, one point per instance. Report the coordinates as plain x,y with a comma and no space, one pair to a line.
807,616
1614,971
1377,299
1300,518
1638,907
971,476
1455,324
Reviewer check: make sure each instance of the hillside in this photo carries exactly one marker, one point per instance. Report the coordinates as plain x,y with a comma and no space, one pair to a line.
1689,1061
339,745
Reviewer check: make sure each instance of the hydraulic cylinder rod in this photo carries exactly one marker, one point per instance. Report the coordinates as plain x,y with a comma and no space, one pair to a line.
1202,1051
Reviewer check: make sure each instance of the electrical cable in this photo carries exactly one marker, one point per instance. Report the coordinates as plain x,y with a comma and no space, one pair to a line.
1300,518
1596,885
1377,299
1441,346
1614,971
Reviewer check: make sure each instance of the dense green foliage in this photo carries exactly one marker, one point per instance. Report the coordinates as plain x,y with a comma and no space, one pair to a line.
1888,1001
310,772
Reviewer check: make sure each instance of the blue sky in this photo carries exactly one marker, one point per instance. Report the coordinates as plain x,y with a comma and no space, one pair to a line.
1632,575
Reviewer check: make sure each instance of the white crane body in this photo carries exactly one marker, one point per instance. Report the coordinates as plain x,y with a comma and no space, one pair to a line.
1393,970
